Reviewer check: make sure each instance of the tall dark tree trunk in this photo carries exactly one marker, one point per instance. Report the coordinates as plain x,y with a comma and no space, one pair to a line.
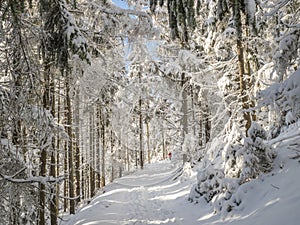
141,127
58,144
148,141
43,156
184,111
91,159
70,144
66,184
103,173
98,146
77,148
112,155
53,202
241,63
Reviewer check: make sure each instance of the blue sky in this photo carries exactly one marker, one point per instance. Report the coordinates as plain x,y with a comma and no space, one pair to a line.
121,3
151,44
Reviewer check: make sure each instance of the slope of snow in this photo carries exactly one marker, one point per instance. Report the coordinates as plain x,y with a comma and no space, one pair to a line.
155,196
273,199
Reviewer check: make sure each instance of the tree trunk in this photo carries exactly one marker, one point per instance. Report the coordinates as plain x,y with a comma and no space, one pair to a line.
58,146
141,127
66,172
70,145
103,150
112,156
127,154
148,141
77,148
98,146
53,202
184,110
141,135
92,151
43,157
240,53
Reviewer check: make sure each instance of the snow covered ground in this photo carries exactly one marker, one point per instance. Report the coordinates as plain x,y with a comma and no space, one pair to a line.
154,196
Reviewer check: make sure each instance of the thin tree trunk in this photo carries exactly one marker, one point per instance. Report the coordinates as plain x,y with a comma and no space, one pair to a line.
53,207
148,141
201,125
43,157
98,146
141,135
70,145
112,156
58,145
77,149
92,151
184,109
193,111
66,172
103,150
141,127
207,123
163,142
127,154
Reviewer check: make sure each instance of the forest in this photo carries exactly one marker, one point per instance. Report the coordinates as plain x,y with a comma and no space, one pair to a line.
91,90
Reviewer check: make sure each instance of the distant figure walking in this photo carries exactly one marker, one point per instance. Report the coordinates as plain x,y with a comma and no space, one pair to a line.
170,155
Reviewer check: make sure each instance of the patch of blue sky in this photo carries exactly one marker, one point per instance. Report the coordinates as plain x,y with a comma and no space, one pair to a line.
151,44
121,3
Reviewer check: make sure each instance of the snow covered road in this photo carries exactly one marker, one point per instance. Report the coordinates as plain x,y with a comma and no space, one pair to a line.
150,196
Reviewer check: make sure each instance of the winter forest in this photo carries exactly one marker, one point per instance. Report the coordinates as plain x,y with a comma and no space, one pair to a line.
91,90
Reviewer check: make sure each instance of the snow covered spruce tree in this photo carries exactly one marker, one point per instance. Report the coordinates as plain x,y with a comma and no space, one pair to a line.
36,52
222,27
19,122
60,38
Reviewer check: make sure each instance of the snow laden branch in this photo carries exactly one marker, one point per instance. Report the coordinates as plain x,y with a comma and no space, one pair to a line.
30,180
119,11
75,38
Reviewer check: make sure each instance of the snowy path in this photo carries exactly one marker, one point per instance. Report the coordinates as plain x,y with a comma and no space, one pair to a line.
150,196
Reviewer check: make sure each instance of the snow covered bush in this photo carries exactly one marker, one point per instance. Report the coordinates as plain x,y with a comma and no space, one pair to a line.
226,200
255,157
243,158
282,100
247,157
208,184
288,49
229,154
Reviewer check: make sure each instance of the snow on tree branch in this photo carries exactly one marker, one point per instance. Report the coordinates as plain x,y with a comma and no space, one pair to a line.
73,34
119,11
36,179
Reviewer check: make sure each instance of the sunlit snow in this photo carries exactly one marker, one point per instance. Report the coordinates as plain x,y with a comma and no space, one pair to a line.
157,195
